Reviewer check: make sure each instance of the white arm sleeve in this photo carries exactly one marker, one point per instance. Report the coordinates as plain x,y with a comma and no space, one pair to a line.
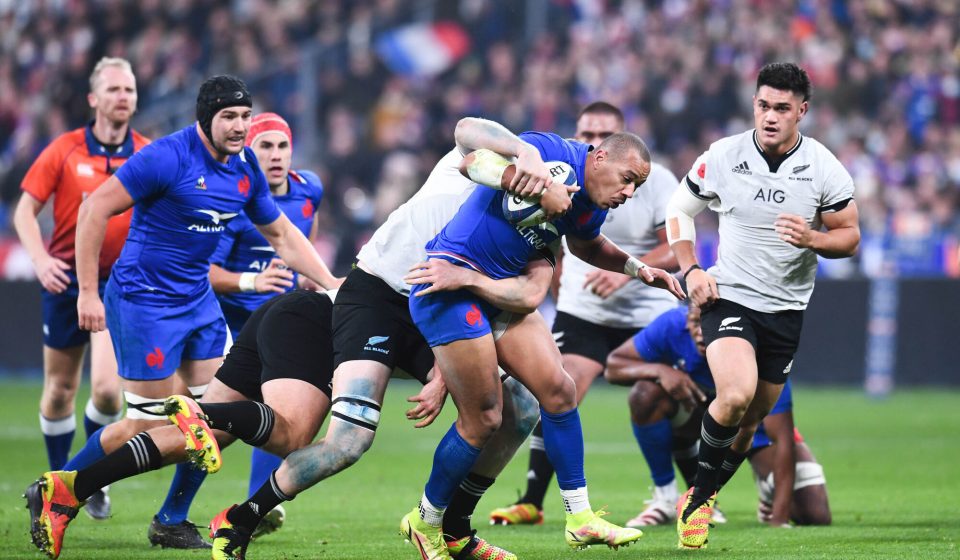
681,209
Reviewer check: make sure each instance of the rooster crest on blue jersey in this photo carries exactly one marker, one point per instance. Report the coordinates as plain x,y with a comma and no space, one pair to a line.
527,211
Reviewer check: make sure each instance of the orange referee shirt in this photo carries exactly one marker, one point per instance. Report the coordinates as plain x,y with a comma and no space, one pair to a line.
69,169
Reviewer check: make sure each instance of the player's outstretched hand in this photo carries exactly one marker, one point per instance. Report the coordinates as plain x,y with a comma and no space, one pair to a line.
794,230
604,283
441,274
659,278
51,274
276,278
429,401
557,200
702,287
90,312
532,176
682,389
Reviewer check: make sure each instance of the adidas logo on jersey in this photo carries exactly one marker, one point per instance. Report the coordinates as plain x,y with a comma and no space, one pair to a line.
742,169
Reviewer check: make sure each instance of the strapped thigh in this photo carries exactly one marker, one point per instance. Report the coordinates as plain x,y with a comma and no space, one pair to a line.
143,408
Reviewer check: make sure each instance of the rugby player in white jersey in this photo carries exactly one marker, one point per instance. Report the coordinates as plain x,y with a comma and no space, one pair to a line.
783,200
373,333
597,310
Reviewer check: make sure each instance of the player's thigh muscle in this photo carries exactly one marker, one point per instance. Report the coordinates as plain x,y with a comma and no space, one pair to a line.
528,352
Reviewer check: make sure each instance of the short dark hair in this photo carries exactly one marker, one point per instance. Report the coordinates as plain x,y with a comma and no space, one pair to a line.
602,108
785,76
617,145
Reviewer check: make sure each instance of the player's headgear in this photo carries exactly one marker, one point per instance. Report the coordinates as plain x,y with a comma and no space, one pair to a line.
217,93
268,122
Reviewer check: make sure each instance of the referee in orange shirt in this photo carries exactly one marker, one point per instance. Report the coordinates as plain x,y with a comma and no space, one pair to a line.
68,170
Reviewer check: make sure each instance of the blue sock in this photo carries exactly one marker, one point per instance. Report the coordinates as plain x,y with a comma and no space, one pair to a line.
452,462
91,453
93,419
656,443
563,440
186,482
58,435
262,464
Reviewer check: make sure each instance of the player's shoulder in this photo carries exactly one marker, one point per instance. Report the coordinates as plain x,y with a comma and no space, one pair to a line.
669,322
818,152
307,178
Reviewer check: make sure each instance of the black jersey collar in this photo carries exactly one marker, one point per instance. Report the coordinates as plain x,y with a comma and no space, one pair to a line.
774,162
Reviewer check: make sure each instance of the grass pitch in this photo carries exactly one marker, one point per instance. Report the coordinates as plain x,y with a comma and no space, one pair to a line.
891,467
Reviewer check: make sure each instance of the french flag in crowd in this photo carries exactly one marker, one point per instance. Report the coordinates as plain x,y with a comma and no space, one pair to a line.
423,49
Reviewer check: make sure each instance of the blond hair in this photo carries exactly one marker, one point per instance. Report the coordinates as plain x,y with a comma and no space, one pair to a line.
105,62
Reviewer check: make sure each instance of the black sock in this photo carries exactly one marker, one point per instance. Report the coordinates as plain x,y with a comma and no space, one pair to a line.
731,463
250,421
247,515
138,455
715,441
540,473
685,453
456,519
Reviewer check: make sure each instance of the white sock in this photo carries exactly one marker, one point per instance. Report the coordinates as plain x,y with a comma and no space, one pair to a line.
430,513
667,493
59,426
575,501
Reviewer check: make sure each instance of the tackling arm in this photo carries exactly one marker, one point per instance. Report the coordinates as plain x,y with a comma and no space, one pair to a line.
298,252
521,294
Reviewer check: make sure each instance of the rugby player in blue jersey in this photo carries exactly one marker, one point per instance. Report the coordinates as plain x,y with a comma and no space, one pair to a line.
671,382
161,310
456,323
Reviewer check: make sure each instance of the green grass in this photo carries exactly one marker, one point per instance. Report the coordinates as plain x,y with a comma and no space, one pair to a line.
891,467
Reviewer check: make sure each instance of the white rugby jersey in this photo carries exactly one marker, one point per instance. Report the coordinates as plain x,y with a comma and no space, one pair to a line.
754,267
399,243
633,227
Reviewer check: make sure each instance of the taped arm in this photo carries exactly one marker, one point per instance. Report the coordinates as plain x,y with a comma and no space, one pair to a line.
684,205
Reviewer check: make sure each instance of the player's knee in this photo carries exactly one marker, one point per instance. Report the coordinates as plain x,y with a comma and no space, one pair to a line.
107,400
560,397
734,403
521,410
645,402
819,515
347,448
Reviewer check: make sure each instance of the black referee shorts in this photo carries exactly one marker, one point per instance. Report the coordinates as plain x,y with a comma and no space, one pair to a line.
774,336
289,337
371,321
590,340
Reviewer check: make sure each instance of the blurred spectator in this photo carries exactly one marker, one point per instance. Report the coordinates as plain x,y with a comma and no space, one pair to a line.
886,77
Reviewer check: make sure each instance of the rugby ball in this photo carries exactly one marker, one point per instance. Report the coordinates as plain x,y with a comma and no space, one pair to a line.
526,211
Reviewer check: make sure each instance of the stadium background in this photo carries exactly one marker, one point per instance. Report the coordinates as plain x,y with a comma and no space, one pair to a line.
373,89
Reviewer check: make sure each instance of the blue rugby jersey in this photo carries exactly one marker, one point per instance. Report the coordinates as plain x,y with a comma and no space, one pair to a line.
243,248
183,201
479,236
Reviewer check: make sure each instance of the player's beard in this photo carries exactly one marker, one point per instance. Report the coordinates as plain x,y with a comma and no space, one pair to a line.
221,148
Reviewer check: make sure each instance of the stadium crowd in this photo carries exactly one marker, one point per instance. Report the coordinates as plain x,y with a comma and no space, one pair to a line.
886,78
